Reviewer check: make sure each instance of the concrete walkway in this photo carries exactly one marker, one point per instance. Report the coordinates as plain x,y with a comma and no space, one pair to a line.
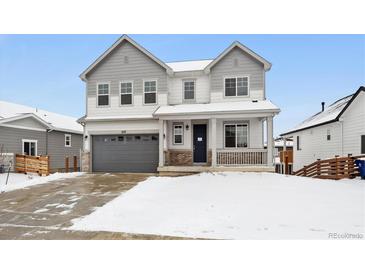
45,211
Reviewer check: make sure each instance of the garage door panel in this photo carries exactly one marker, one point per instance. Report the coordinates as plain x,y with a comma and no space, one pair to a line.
125,153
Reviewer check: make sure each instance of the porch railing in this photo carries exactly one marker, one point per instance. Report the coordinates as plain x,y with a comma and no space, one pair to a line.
251,157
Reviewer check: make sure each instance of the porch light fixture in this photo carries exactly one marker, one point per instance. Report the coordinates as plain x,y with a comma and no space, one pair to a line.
187,127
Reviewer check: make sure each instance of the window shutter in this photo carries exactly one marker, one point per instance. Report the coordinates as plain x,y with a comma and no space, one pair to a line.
362,144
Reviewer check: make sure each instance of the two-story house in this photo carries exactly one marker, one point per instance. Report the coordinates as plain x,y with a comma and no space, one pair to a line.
145,115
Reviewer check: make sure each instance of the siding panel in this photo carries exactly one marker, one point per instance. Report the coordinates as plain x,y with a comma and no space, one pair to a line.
58,151
114,69
246,66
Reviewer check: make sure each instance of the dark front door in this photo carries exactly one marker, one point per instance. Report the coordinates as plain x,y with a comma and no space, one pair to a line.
200,143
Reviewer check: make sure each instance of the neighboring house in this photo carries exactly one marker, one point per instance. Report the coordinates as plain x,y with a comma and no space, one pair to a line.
281,144
338,129
31,131
144,115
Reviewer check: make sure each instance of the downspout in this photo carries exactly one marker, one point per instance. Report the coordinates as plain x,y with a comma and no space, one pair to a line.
48,130
341,125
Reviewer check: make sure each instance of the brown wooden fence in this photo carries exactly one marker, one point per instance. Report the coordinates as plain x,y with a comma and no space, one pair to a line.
334,168
34,164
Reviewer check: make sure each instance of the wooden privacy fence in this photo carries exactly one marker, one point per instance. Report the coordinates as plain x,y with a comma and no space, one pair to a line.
34,164
286,158
67,165
334,168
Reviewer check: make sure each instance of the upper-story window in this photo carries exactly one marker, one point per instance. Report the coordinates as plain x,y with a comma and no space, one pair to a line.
103,94
236,86
126,93
189,89
67,140
150,92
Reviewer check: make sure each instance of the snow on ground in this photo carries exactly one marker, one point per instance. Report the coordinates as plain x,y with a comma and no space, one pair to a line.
234,206
18,180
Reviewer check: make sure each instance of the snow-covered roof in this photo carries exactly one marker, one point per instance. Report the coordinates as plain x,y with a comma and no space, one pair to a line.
328,115
12,111
119,117
226,107
189,65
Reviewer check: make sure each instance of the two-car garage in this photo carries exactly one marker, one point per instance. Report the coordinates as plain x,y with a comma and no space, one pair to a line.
125,153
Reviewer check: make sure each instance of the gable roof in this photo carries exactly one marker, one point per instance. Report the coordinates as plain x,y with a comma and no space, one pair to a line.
267,64
331,114
11,112
189,65
116,44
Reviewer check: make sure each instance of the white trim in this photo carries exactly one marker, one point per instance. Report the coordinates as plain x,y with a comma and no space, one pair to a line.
236,77
97,94
182,133
235,123
21,127
30,141
118,42
120,93
26,115
183,90
68,135
143,99
267,64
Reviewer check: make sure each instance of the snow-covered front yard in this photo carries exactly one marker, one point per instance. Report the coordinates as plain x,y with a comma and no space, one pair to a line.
18,180
235,206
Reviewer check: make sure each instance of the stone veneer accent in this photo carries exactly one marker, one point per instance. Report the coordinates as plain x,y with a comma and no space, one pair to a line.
183,158
180,157
85,162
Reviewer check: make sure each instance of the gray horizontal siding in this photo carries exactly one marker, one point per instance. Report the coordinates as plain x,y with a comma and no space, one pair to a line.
58,152
11,138
113,69
246,65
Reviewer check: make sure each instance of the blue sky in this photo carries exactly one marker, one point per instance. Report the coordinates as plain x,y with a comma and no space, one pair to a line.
42,70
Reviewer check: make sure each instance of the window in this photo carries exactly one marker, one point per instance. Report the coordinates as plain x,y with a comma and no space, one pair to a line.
362,144
103,94
67,140
328,135
298,143
178,134
189,89
236,86
150,90
29,147
236,135
126,93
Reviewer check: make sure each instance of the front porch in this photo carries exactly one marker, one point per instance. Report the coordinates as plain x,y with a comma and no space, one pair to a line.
216,137
201,142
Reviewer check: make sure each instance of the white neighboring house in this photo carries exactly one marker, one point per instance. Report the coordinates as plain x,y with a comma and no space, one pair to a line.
338,129
145,115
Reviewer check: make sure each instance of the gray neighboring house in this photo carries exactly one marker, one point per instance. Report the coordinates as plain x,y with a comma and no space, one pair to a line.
145,115
32,131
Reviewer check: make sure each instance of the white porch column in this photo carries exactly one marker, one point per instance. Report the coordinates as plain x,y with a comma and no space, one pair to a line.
213,142
161,138
284,143
270,141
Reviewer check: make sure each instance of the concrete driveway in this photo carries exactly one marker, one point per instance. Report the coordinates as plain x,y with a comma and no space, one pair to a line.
45,211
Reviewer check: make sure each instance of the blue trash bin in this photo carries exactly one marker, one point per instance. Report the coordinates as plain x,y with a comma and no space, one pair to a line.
361,165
